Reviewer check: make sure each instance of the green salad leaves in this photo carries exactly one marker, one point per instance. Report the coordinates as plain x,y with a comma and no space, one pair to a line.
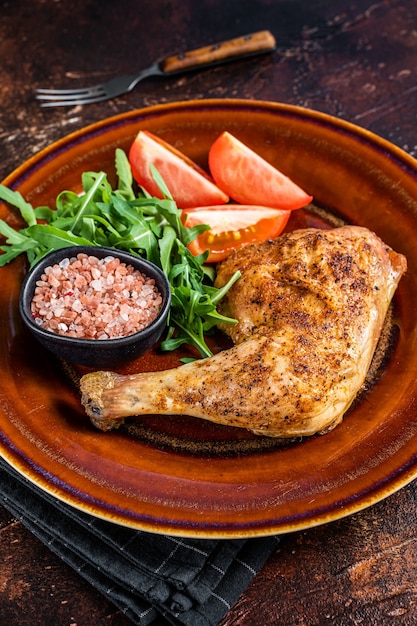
126,219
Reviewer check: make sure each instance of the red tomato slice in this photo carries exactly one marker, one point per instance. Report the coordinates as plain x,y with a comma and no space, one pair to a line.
249,179
232,227
188,184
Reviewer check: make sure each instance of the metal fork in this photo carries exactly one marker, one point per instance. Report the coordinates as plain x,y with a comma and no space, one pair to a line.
232,49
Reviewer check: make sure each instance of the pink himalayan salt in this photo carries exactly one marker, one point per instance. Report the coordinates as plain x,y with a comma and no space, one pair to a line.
93,298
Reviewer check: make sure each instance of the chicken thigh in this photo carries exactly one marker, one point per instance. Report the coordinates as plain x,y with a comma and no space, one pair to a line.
310,306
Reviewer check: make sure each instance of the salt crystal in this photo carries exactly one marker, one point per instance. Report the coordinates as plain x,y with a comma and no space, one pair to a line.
53,281
77,306
96,285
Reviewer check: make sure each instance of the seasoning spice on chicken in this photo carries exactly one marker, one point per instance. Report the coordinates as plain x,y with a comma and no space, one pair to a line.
309,305
92,298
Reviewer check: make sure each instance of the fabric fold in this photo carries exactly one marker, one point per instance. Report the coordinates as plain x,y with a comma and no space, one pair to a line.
192,582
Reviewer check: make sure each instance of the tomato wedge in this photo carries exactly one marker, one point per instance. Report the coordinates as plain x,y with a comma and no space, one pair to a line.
247,178
188,184
232,227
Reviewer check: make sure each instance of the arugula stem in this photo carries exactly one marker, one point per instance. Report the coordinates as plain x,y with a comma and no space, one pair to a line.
195,340
87,199
220,293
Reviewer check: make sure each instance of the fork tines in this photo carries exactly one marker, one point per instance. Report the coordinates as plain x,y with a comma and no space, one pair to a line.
68,97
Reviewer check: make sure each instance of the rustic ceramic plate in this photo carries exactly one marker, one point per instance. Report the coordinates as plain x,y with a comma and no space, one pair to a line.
183,476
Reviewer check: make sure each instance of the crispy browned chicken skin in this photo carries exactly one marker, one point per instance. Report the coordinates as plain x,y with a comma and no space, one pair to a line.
310,307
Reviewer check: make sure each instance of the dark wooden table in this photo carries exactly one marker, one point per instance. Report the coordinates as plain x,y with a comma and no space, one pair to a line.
355,60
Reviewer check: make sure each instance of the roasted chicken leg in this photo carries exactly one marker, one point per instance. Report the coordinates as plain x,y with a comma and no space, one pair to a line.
310,307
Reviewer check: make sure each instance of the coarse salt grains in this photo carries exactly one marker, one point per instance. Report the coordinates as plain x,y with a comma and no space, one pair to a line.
93,298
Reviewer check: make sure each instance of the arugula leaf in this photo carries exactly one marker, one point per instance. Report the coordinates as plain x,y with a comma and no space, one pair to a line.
124,174
11,252
66,204
166,247
55,238
16,199
13,236
127,219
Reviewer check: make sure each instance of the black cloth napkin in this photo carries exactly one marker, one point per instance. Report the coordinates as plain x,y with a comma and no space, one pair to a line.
189,581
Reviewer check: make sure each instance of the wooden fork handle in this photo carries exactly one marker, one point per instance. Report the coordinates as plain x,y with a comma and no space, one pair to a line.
248,45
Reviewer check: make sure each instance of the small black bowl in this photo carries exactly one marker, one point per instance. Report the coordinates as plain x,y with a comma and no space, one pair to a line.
96,353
